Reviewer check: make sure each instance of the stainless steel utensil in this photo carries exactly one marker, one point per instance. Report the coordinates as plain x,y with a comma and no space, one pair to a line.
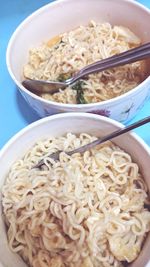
130,56
100,140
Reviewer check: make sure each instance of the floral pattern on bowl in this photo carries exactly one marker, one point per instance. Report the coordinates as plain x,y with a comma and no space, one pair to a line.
102,112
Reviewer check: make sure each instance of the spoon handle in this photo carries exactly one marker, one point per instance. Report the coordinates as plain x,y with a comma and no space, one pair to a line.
130,56
98,141
110,136
126,53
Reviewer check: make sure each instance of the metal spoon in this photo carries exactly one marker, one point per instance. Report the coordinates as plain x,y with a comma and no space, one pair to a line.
130,56
100,140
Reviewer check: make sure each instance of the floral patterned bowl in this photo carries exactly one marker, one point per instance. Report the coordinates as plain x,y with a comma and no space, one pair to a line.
51,20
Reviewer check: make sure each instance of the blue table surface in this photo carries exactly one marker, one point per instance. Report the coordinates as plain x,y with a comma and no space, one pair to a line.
15,113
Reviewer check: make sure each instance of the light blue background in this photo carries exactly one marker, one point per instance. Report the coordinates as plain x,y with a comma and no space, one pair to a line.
15,113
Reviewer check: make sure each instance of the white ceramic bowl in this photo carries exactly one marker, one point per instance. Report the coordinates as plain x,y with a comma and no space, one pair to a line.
58,125
61,16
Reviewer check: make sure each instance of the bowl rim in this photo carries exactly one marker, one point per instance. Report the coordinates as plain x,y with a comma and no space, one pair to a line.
59,104
59,116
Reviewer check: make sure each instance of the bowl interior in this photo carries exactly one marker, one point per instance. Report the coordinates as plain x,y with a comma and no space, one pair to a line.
51,20
59,125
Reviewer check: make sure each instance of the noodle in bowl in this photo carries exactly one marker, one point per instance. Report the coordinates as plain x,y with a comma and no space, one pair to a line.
85,210
64,55
71,47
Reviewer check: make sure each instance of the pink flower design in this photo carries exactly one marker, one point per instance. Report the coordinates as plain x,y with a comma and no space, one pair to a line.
102,112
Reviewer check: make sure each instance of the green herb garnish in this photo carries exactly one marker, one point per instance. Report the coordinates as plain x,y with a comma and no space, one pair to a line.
58,44
80,92
63,76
